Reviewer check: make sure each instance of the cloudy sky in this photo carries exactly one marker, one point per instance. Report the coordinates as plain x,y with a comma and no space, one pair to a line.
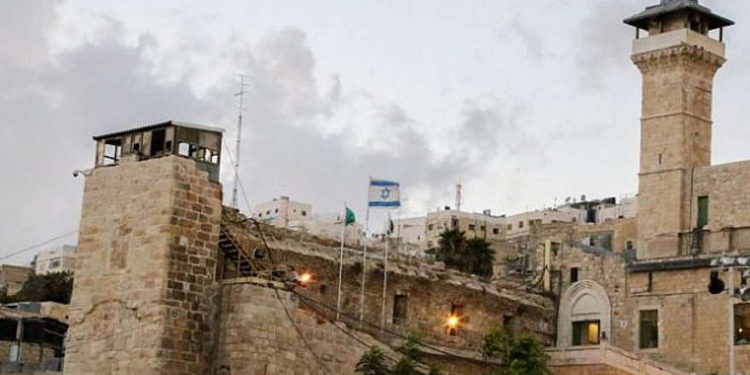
523,101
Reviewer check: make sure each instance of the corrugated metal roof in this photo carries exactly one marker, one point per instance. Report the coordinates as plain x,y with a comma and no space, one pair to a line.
642,19
142,128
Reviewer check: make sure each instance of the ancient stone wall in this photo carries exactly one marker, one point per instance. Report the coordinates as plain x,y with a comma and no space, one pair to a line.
265,329
429,294
146,258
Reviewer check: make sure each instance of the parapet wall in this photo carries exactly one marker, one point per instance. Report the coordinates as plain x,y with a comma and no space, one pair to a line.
428,295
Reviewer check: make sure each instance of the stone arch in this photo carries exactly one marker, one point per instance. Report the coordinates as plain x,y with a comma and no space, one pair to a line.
584,300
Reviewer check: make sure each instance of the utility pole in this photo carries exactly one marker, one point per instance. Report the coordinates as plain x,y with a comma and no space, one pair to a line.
240,109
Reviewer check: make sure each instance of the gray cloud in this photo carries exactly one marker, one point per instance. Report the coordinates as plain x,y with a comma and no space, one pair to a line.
54,106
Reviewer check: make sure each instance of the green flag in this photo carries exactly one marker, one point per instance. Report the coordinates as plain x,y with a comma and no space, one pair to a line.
349,220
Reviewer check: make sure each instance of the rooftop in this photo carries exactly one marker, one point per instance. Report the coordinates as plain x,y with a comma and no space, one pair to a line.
142,128
642,19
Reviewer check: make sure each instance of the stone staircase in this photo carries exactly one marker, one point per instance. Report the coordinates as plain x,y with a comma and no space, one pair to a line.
576,360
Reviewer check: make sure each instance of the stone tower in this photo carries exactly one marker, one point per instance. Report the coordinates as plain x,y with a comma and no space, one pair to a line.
147,251
678,60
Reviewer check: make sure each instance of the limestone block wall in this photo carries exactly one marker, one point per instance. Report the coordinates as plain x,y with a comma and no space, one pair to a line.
265,329
726,186
146,255
692,323
430,294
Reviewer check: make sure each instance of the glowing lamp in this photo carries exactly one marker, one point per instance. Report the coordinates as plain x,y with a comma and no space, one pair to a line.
452,322
305,278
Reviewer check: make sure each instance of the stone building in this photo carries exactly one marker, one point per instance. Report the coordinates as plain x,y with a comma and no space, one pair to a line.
650,302
13,277
57,259
170,282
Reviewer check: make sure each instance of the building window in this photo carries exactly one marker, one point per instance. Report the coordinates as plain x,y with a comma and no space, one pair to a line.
702,212
304,213
276,211
495,230
629,245
431,227
483,228
649,334
520,224
650,285
574,275
510,226
586,333
742,324
54,264
472,227
400,306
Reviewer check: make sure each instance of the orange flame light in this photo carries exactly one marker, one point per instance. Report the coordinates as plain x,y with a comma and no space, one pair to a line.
305,278
452,322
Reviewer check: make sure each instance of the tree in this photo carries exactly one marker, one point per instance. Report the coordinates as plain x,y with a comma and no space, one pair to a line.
372,363
471,256
522,356
55,287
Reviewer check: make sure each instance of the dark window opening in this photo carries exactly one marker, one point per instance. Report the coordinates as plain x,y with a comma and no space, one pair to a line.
574,275
33,331
136,147
629,245
586,333
304,213
472,227
495,231
649,332
702,211
323,289
8,329
661,159
400,306
168,146
742,324
650,286
157,142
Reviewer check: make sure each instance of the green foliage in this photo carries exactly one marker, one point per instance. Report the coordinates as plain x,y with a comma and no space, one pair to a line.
372,363
55,287
497,343
522,356
466,255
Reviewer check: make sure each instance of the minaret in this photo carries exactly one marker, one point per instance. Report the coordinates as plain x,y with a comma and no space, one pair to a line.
678,60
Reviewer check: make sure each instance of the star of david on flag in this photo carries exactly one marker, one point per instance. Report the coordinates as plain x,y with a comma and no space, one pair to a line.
384,193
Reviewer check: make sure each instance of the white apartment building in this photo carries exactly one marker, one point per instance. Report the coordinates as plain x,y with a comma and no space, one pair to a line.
329,226
626,209
56,259
281,211
286,213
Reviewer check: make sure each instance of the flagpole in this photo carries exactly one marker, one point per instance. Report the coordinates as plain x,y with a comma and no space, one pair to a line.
341,264
385,273
364,268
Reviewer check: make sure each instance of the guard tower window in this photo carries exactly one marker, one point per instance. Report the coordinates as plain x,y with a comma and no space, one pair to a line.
574,275
158,138
112,151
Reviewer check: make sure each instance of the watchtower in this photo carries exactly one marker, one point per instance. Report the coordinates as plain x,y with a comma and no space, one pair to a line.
147,253
678,60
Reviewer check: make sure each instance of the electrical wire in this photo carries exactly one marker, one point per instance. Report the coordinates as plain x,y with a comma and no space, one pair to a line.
53,239
301,336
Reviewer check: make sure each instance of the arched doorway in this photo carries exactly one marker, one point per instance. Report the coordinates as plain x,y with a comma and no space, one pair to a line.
585,315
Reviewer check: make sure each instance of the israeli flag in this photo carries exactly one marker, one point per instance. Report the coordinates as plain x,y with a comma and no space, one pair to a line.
384,194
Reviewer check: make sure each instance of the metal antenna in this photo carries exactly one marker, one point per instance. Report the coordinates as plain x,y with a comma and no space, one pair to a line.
240,110
458,196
